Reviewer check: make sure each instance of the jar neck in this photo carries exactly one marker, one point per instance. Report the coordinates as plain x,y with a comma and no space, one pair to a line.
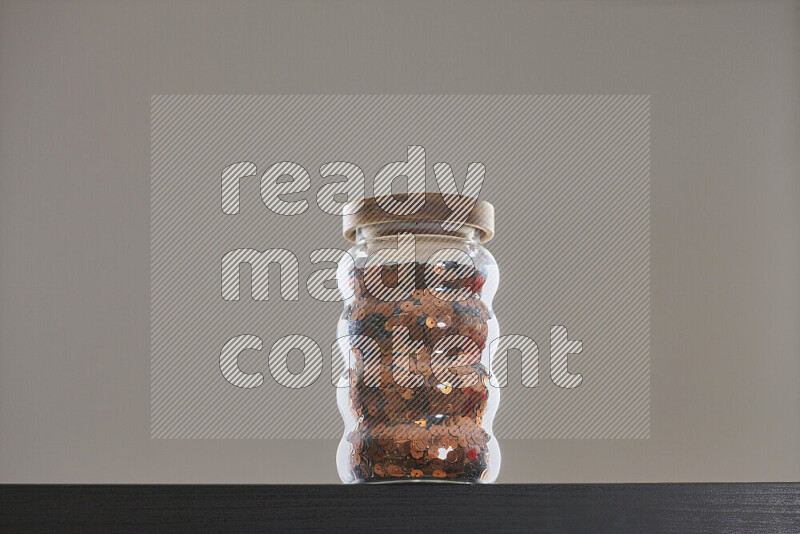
418,228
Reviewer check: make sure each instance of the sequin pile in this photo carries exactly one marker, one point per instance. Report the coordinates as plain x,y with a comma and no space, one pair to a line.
418,393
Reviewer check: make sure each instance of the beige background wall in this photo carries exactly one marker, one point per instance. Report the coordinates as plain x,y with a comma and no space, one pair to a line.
75,84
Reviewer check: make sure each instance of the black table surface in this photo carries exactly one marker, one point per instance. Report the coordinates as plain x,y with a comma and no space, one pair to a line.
757,507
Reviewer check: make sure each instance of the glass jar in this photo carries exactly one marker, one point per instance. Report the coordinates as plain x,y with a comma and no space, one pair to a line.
415,395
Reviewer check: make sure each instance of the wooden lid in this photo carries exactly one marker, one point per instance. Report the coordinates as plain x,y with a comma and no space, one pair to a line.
435,209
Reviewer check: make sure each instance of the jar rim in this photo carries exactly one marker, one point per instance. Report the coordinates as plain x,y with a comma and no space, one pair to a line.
436,208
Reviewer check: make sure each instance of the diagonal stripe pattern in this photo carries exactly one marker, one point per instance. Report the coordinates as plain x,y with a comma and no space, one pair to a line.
569,176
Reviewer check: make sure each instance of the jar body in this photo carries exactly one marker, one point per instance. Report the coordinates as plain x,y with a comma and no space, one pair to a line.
415,395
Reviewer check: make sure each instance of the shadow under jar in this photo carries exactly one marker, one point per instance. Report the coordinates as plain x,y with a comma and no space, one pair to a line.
415,332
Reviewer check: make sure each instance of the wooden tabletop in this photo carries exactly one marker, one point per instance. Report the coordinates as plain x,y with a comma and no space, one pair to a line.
759,507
